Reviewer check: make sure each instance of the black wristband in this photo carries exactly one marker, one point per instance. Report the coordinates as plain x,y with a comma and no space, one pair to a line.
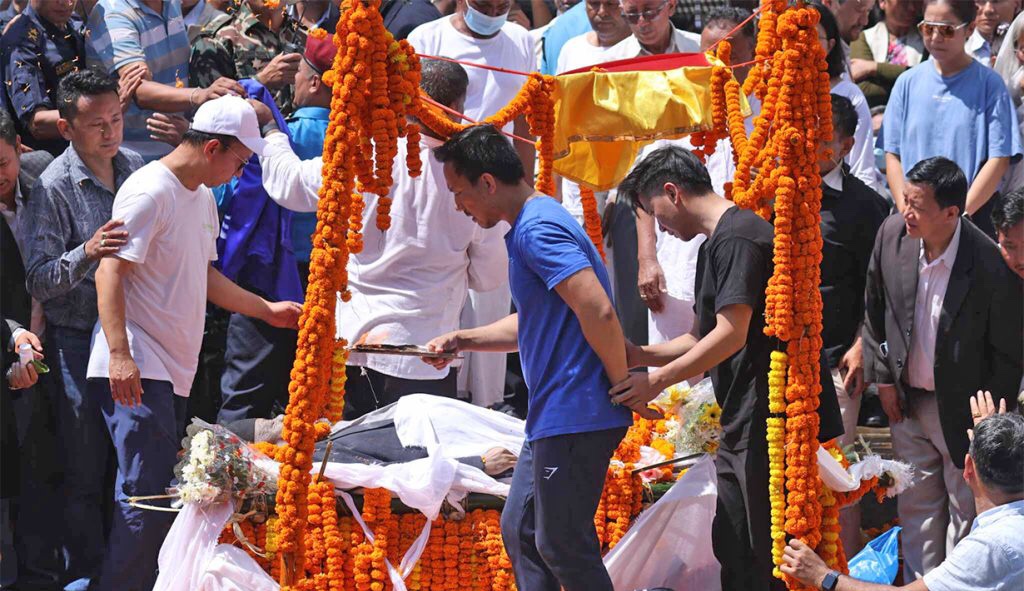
268,127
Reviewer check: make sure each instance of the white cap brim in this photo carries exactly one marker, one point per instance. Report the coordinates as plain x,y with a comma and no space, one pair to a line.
256,144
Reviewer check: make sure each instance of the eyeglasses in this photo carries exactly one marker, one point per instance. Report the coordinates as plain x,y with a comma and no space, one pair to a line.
648,15
945,30
242,161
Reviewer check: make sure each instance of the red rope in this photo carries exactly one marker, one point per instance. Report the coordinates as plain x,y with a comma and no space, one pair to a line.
431,101
474,64
750,63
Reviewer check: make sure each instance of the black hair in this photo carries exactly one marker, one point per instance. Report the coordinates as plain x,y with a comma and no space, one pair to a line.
727,17
1009,212
8,134
998,452
835,59
198,139
965,10
443,81
482,149
945,178
668,164
844,116
87,82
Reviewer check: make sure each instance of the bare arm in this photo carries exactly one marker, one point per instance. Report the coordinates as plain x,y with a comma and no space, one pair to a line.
662,353
169,99
498,337
125,379
801,563
894,174
650,277
527,153
225,293
44,124
986,183
583,293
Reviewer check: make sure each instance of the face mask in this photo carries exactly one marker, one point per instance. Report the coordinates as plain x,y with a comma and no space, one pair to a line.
481,24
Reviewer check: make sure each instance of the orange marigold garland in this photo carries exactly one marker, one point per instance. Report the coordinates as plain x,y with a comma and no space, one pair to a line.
591,219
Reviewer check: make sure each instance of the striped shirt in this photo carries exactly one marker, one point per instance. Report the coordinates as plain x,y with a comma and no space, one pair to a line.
121,32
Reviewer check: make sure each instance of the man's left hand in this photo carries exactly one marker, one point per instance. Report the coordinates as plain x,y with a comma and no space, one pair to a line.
851,367
801,563
635,392
283,314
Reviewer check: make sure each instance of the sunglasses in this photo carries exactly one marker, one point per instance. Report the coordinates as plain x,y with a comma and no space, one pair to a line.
648,15
945,30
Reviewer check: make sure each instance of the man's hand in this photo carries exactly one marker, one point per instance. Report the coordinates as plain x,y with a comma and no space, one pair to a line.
263,114
851,367
167,128
498,460
282,314
21,376
280,71
890,399
131,78
651,282
125,380
106,240
635,392
446,343
861,69
982,407
221,87
801,563
30,338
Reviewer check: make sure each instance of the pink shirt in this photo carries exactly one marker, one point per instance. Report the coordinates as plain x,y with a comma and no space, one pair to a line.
932,281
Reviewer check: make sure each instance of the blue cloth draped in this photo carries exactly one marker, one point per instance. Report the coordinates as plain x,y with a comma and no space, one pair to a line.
254,248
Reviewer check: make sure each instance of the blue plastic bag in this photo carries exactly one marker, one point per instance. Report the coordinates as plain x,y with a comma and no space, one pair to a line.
879,561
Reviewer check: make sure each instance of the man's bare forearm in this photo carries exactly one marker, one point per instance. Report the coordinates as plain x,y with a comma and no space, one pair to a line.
499,337
111,304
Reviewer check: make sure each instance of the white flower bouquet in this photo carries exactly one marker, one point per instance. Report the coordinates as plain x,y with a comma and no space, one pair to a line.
218,465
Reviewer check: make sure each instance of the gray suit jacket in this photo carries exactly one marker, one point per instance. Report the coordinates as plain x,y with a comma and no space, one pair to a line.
981,327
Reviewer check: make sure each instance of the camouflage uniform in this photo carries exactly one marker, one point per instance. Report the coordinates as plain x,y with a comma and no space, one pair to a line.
238,45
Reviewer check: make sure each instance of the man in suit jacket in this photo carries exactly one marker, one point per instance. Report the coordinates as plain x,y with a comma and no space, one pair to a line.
943,320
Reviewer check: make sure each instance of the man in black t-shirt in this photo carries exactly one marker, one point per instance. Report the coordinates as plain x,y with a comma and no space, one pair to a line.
732,273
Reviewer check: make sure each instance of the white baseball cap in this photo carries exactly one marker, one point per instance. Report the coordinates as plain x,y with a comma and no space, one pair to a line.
233,116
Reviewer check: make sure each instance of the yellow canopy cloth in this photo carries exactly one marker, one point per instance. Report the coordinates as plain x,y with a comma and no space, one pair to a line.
606,113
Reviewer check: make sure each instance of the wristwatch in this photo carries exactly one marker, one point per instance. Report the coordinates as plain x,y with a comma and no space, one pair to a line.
830,581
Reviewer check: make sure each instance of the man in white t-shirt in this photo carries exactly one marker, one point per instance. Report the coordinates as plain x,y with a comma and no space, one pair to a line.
609,28
479,32
152,298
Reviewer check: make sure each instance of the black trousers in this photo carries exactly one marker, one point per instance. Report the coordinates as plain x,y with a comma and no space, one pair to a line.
548,520
741,532
366,390
258,359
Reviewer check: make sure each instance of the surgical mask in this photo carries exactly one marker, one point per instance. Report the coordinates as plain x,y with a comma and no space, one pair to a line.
481,24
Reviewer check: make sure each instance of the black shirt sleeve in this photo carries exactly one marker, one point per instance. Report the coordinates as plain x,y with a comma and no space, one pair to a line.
740,273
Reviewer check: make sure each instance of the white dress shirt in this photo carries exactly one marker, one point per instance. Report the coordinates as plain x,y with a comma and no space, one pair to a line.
408,284
932,281
990,558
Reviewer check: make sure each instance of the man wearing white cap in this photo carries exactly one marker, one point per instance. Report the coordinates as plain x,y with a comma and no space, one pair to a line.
152,298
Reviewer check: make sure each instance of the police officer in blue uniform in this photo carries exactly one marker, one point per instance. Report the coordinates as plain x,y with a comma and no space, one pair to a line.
41,45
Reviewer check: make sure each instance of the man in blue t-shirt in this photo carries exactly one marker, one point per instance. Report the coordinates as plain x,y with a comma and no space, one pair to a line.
572,350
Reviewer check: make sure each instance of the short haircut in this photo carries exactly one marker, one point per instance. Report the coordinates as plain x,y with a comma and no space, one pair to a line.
965,10
8,134
844,116
198,139
945,178
998,452
728,17
668,164
835,59
445,82
1009,212
87,82
482,149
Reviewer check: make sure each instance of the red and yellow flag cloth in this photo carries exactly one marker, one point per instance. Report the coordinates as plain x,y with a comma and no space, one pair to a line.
606,113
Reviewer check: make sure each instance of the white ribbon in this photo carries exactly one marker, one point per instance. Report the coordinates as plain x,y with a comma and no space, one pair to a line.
412,555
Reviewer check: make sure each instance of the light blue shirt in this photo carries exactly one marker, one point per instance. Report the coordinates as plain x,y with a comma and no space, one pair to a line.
990,558
308,126
967,117
571,23
121,32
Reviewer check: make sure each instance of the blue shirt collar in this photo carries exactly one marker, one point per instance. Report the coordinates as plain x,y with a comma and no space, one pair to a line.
319,113
994,514
80,173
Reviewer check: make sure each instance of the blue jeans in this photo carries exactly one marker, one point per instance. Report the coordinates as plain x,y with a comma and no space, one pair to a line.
548,520
146,440
85,456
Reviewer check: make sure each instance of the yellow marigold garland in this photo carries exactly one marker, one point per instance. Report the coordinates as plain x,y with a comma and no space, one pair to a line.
776,454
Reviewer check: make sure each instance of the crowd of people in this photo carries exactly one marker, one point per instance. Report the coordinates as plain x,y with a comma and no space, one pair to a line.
159,173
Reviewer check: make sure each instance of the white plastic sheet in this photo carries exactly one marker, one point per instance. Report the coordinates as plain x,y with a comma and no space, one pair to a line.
670,543
189,545
231,569
455,428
